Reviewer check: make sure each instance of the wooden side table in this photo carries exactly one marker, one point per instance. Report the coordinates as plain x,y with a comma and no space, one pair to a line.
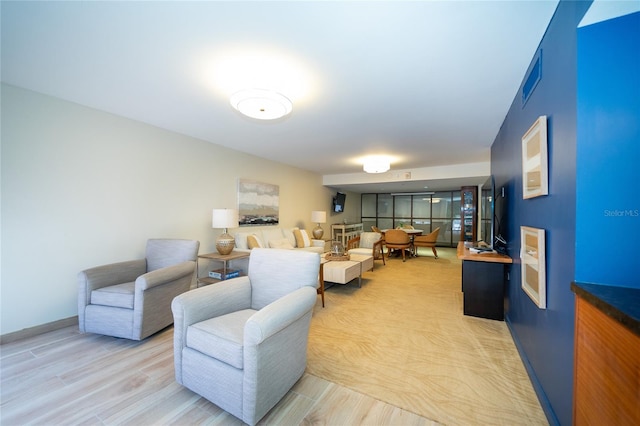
224,259
320,290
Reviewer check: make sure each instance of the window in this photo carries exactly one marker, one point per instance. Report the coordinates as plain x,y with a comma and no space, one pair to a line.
426,212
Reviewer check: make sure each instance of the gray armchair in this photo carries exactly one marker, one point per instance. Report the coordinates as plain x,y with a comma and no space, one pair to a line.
133,299
242,343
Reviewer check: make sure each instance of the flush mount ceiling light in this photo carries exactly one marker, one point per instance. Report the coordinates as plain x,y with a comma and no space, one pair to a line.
261,104
376,164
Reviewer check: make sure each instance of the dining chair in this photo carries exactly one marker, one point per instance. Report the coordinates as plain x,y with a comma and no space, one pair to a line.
399,240
428,240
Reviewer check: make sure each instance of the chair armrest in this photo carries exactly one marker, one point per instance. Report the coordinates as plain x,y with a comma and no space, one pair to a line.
104,276
111,274
278,315
212,301
165,275
353,243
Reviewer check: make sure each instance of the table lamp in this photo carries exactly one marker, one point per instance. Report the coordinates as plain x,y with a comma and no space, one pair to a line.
318,216
225,218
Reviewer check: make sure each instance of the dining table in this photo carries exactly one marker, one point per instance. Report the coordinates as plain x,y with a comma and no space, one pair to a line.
412,233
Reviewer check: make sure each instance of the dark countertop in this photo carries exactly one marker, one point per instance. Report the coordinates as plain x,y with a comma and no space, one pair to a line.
620,303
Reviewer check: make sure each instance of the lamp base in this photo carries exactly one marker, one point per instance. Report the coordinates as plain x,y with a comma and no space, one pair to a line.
225,244
317,232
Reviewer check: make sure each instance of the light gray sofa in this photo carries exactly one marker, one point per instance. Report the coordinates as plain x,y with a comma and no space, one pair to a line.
242,343
282,238
132,299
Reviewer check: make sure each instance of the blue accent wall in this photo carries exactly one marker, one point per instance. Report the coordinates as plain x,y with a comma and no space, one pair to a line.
544,337
608,174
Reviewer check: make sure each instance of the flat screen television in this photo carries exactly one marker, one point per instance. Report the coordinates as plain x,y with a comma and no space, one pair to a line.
487,211
338,202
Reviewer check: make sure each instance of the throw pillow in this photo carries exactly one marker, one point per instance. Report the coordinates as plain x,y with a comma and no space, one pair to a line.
288,233
241,240
282,243
253,241
270,233
302,238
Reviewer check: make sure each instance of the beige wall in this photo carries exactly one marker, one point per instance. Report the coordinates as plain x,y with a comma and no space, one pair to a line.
81,188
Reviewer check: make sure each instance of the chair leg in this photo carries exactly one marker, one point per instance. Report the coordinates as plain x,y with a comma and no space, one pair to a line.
435,252
382,251
403,258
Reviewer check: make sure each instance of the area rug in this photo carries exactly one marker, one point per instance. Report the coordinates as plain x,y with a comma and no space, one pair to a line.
402,338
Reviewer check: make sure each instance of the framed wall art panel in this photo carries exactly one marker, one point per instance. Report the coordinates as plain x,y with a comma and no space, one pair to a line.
535,173
258,203
533,264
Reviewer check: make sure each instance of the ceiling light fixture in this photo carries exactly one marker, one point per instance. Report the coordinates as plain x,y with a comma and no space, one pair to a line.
261,104
393,194
376,164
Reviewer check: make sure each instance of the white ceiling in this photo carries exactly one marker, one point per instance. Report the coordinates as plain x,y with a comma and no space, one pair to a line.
427,82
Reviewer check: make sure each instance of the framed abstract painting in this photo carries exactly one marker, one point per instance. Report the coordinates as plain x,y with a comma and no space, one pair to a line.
258,203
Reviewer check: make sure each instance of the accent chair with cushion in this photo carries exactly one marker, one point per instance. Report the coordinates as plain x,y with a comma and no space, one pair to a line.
242,343
397,239
427,241
132,299
367,243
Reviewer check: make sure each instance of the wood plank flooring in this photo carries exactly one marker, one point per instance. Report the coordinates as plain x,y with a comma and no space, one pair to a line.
394,361
67,378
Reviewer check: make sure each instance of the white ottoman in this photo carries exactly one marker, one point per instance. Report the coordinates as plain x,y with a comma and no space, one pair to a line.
366,262
341,272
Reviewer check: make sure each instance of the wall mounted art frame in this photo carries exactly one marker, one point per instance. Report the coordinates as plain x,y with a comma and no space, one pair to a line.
533,264
258,203
535,173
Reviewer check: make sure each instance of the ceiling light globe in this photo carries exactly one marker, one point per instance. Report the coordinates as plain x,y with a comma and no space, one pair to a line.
261,104
376,165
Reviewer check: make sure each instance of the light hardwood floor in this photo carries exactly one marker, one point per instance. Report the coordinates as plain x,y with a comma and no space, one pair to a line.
63,377
67,378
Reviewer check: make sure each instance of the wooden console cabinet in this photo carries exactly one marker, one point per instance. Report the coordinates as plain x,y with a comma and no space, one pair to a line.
483,282
606,382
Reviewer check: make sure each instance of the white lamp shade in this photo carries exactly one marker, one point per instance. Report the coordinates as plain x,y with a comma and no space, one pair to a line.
224,218
318,216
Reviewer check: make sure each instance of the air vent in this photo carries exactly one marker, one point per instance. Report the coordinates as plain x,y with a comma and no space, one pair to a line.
533,77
